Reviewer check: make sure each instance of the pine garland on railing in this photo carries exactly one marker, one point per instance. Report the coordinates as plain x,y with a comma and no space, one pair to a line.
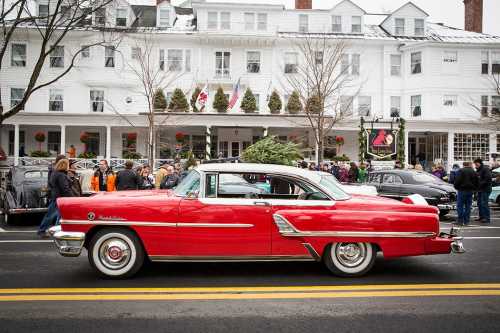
362,141
401,157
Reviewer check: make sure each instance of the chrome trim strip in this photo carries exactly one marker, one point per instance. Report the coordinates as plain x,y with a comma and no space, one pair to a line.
229,258
312,251
382,234
271,202
215,225
159,224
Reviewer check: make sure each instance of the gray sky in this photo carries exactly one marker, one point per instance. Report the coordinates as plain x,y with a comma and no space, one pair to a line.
450,12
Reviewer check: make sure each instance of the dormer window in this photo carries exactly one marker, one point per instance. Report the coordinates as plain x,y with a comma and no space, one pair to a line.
303,23
212,21
399,28
249,21
336,23
419,27
121,17
262,21
356,24
225,21
100,16
164,18
43,13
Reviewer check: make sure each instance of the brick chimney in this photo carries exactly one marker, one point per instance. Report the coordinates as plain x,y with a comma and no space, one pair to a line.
474,15
303,4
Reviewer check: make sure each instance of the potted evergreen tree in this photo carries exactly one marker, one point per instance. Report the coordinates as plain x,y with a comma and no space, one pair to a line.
159,102
275,104
249,104
220,101
294,106
313,105
194,97
178,102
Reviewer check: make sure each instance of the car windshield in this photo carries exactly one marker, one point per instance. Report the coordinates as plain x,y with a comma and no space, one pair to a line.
190,184
425,178
334,187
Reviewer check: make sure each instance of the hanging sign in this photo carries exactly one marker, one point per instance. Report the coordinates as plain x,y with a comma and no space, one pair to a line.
381,142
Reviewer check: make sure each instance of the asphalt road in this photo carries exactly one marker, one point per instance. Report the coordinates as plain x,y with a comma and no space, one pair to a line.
41,291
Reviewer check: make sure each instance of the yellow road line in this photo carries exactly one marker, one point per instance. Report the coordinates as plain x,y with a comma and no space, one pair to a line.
218,296
250,289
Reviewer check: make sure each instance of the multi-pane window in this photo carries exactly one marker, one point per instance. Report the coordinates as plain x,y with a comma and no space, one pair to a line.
469,146
136,53
399,26
416,106
212,20
121,17
356,24
57,56
253,62
257,101
109,56
419,27
346,104
54,141
100,16
85,51
225,20
364,106
174,60
495,62
43,13
450,100
395,64
97,100
249,21
187,60
65,14
162,60
395,106
16,96
303,23
336,23
262,22
495,105
355,64
484,106
318,58
485,63
18,55
416,62
344,63
222,64
291,62
56,100
164,17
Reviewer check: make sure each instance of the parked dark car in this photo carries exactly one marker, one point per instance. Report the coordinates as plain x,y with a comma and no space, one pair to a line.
398,184
24,191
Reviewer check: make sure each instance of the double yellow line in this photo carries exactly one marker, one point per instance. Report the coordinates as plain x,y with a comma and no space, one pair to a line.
247,293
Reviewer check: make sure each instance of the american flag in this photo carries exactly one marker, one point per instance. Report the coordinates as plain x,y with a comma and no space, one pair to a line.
235,96
202,98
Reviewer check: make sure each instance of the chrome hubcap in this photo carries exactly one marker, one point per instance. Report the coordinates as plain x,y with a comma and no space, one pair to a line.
114,253
350,254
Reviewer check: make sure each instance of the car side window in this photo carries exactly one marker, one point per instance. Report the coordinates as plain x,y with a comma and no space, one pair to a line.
398,180
392,179
374,178
211,186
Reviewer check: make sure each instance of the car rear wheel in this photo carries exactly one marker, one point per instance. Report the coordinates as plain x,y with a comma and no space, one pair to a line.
350,259
116,253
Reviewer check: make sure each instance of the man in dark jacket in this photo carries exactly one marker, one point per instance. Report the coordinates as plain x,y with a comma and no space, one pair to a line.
127,179
483,190
171,180
466,182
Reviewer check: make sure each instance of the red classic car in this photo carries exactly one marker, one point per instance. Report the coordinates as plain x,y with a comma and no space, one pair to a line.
248,212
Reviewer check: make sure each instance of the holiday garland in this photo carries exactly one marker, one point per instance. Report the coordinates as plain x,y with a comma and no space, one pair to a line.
401,157
362,141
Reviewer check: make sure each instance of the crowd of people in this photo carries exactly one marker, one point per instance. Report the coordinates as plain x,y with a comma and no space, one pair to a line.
63,181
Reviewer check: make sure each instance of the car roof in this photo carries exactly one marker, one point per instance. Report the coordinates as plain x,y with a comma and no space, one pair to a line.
260,168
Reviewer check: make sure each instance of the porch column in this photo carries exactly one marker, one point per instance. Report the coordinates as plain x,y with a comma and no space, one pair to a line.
16,144
451,153
208,137
63,139
407,149
266,132
493,147
108,144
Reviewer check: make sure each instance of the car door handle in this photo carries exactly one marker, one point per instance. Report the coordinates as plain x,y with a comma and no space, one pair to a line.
261,203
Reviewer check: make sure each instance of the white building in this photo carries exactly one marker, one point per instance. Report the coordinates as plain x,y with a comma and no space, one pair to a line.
431,75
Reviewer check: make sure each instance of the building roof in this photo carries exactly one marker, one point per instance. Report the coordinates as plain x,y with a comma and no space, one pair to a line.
352,3
403,6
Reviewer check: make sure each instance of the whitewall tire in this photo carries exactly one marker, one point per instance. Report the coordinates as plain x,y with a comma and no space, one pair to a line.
350,259
115,253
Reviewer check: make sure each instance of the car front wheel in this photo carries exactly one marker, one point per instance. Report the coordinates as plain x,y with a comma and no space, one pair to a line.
350,259
116,253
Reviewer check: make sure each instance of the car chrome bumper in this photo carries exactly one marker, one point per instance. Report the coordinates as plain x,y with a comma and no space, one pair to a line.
457,245
14,211
447,207
69,244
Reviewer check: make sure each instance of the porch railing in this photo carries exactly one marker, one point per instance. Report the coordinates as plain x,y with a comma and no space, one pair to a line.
84,163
